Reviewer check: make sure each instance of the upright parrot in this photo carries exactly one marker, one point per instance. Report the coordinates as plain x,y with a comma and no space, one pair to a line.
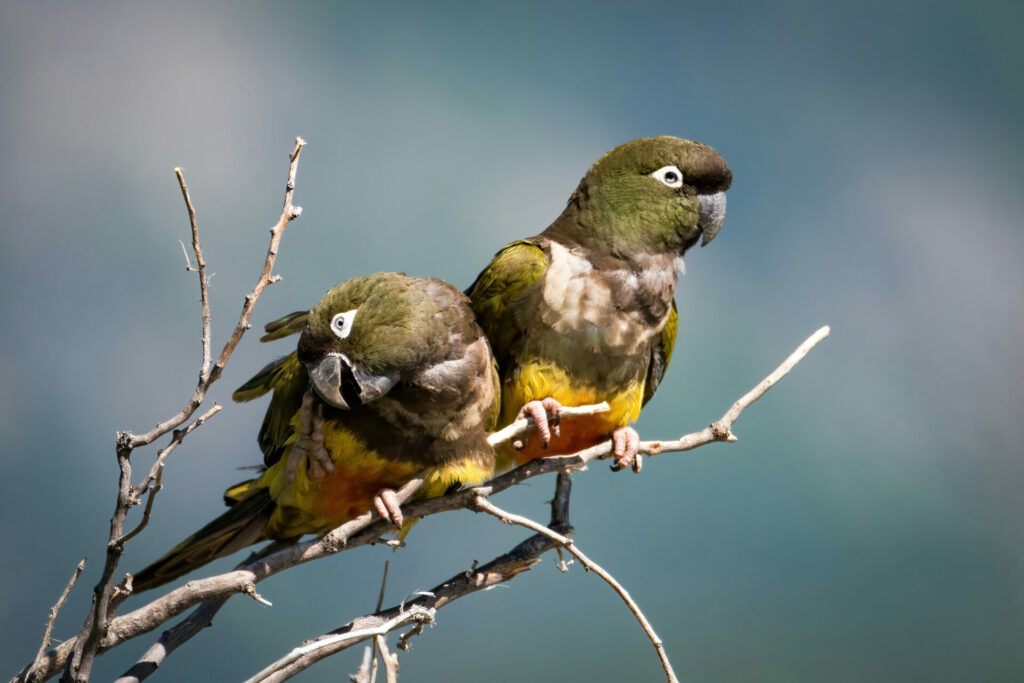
392,379
585,312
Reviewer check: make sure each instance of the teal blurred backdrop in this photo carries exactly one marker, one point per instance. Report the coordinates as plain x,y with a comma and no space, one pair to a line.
867,525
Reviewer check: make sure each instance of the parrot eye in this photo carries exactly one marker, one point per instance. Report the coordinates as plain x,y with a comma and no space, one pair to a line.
669,175
341,323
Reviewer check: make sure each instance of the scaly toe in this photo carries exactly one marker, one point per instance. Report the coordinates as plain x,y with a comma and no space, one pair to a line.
545,414
386,502
626,449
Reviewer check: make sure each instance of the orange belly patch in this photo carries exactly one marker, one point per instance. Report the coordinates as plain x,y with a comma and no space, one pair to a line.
305,505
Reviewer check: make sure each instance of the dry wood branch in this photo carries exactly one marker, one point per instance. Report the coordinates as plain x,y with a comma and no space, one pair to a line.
158,485
380,603
567,543
210,374
364,674
204,368
94,630
414,614
368,528
288,213
520,427
215,594
504,568
390,660
55,610
176,439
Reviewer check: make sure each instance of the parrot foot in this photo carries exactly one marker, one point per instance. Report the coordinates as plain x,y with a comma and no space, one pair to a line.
545,415
311,442
626,449
386,502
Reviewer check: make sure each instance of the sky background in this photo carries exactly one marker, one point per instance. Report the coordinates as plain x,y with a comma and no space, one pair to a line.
867,525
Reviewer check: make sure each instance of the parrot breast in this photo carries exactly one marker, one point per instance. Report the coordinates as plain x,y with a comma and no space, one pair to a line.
616,309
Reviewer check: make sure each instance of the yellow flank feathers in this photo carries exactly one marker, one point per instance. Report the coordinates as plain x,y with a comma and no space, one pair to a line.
311,506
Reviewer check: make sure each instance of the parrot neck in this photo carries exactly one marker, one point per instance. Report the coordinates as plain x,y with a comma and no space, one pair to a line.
615,233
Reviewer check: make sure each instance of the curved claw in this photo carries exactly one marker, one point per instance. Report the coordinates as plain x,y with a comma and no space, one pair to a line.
626,450
388,507
546,415
311,442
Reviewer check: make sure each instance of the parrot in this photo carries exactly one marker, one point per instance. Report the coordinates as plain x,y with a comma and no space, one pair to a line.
585,311
391,379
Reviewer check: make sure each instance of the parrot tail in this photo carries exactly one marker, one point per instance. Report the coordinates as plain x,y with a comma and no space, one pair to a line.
239,527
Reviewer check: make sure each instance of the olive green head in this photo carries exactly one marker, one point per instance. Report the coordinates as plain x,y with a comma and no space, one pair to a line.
366,334
656,193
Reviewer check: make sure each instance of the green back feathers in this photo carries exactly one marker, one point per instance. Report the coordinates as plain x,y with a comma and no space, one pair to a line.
501,287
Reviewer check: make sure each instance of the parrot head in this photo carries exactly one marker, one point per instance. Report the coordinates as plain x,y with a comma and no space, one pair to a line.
650,193
366,334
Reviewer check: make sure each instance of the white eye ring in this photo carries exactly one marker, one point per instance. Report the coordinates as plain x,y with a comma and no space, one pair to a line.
341,323
669,175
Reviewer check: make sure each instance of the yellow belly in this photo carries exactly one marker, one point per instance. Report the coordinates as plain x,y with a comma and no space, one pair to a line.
537,381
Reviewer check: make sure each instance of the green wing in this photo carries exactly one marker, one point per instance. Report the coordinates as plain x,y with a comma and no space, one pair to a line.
288,380
661,354
499,289
282,327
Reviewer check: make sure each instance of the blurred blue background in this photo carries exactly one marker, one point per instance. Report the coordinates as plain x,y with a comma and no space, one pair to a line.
867,525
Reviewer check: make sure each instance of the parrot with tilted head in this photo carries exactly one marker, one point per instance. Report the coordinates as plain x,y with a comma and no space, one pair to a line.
585,311
392,380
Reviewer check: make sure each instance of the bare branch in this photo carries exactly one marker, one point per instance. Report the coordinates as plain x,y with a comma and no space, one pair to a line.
94,630
509,518
162,455
288,213
364,674
158,485
504,568
204,368
390,660
380,603
368,528
214,594
520,427
48,633
415,614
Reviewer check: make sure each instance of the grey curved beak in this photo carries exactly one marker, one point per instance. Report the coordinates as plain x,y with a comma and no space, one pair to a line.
372,387
712,214
326,379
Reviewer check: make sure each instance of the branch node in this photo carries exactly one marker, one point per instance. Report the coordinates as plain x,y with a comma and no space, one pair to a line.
722,431
250,590
403,640
124,589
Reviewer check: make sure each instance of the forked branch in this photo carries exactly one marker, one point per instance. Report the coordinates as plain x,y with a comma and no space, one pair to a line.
79,666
